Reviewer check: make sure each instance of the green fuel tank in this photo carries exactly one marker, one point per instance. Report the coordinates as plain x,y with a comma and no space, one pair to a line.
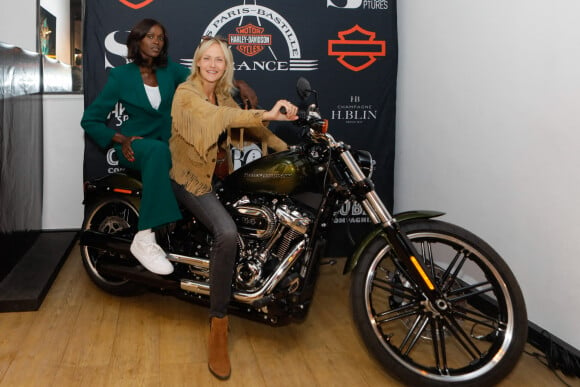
286,172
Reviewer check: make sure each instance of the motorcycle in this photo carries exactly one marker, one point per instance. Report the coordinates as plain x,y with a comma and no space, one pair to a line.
433,303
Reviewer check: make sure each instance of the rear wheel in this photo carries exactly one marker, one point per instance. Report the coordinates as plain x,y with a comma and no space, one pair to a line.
478,338
112,216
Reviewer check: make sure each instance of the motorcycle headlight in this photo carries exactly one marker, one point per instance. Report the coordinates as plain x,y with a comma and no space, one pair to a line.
365,161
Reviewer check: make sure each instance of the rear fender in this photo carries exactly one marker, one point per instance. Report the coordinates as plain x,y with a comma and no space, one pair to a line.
378,233
117,184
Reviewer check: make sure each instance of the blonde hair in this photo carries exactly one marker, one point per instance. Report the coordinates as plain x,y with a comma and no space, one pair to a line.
225,84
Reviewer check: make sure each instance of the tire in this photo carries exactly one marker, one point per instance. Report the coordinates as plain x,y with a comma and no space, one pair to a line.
484,328
113,216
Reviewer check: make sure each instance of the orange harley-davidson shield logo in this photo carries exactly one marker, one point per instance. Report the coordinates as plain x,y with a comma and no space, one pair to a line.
356,54
250,39
135,4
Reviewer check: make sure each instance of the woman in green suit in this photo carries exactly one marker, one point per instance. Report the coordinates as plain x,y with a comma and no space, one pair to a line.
145,88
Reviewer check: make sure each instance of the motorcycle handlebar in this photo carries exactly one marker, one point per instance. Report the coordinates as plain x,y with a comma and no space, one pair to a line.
304,118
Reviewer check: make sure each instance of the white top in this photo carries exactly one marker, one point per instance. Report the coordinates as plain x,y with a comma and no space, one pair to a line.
154,96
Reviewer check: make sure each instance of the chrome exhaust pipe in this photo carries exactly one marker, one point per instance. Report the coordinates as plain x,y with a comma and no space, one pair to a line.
199,263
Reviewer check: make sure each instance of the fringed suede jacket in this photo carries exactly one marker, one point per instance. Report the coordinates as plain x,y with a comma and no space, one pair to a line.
196,129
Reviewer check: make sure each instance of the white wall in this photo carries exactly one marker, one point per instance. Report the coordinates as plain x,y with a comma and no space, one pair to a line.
18,23
63,162
488,130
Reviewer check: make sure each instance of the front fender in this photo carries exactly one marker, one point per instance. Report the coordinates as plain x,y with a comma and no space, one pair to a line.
378,232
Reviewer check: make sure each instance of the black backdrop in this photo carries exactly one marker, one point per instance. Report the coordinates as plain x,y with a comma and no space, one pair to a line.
346,48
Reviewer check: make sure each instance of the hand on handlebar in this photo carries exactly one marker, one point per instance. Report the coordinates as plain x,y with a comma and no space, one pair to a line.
283,110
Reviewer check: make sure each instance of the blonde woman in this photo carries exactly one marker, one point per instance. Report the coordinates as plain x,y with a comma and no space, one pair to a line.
202,110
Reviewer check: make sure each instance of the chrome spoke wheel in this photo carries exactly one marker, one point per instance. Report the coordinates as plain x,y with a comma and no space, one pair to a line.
473,331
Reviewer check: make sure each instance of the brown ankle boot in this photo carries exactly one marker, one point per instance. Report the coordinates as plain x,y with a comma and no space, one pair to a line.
218,358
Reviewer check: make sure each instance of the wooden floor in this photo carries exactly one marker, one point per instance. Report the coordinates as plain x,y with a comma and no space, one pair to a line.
82,336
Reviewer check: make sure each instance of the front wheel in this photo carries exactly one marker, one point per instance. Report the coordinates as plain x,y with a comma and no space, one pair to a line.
478,338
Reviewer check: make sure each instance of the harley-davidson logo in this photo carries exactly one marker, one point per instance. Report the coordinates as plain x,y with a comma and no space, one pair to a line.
250,39
245,26
136,5
356,54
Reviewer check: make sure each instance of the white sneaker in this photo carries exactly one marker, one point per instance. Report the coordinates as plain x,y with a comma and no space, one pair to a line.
150,254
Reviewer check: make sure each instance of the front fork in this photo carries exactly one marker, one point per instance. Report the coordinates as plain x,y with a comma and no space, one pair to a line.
402,246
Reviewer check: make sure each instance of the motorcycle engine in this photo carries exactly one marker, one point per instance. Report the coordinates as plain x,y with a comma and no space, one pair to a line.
267,231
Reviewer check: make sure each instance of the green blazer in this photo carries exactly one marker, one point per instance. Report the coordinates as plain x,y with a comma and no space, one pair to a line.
125,85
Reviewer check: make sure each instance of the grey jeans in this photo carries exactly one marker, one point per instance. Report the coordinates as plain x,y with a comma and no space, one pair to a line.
208,210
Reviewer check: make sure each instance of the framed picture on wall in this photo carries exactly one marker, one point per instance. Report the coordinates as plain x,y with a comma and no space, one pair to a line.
47,33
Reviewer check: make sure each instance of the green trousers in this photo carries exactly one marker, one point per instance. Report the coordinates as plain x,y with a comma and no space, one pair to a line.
158,203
